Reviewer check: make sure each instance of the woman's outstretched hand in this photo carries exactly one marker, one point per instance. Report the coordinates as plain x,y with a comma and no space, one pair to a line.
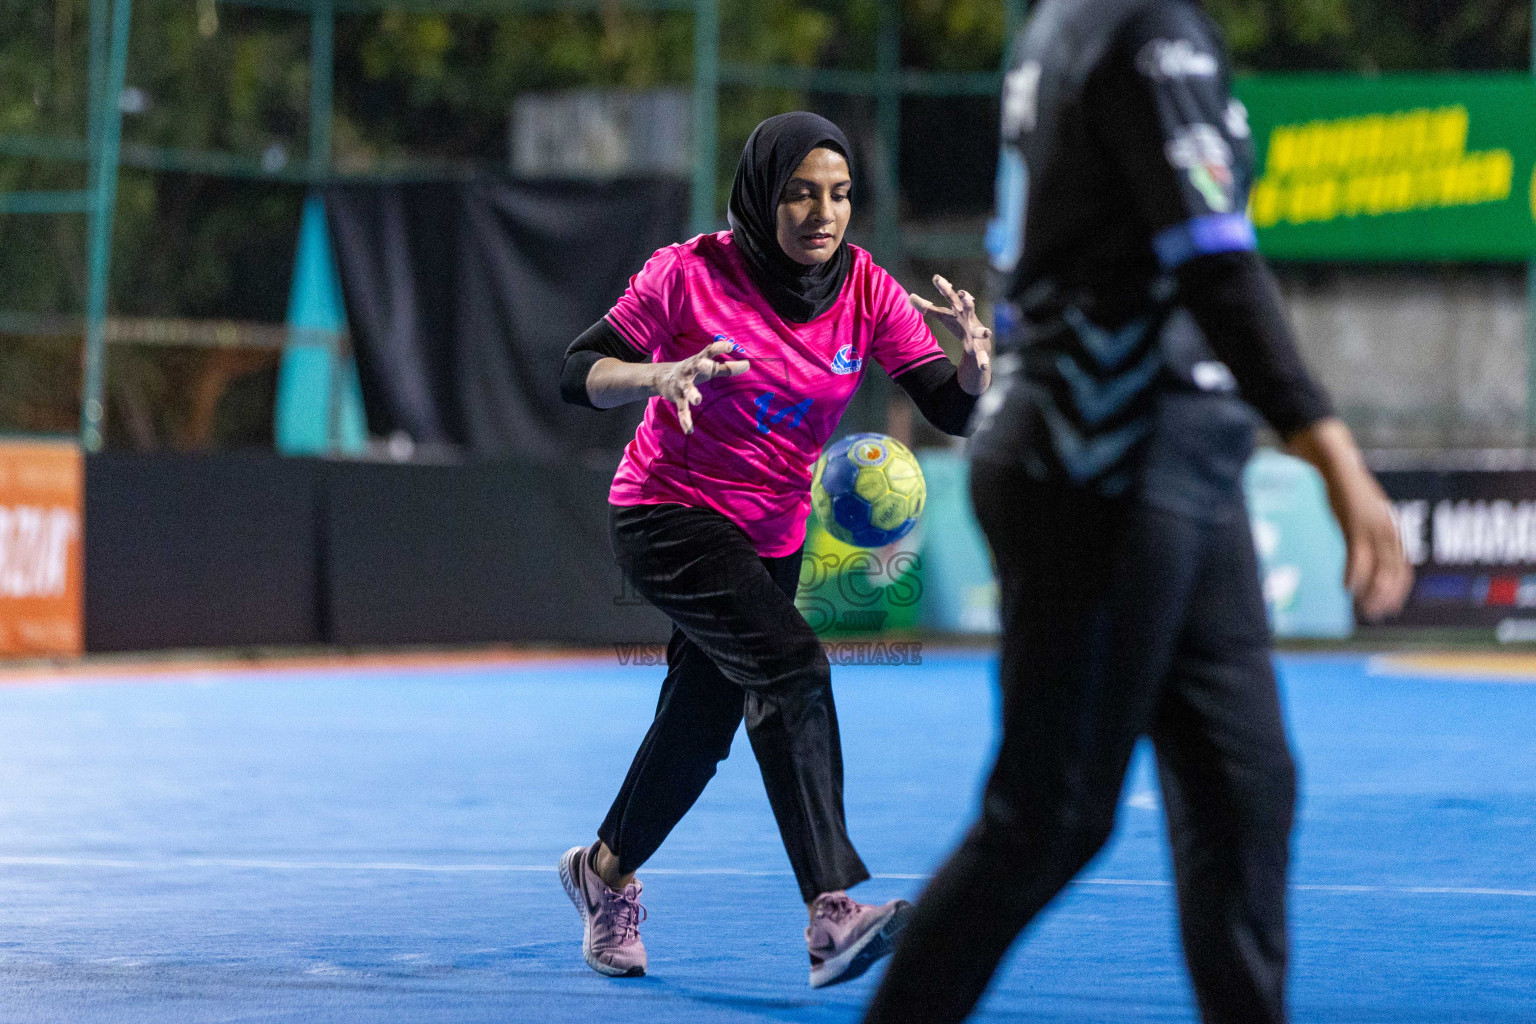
613,382
678,382
975,369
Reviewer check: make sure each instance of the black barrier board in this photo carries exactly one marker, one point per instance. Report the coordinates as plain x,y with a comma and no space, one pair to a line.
478,553
213,550
234,550
1471,536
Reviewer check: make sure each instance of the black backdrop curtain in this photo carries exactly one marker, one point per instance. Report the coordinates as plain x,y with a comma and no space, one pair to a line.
461,297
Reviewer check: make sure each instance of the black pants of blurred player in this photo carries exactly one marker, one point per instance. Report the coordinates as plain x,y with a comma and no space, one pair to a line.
1119,619
739,648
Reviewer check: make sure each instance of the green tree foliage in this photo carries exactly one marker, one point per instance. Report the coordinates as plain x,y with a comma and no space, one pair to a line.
1377,35
235,79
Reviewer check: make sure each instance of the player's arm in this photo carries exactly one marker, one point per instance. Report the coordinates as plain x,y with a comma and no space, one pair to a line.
1161,105
627,374
1234,299
603,371
934,388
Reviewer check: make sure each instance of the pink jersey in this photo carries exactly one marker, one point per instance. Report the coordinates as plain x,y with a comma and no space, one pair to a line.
757,436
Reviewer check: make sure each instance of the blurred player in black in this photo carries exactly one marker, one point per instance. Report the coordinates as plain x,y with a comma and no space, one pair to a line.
1137,329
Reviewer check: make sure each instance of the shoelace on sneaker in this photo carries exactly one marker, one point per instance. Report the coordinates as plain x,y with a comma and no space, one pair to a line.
628,913
836,908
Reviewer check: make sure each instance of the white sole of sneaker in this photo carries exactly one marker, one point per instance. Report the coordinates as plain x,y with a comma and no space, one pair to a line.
864,953
568,869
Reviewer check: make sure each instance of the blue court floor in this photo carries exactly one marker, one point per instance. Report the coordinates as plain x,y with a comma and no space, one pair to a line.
379,845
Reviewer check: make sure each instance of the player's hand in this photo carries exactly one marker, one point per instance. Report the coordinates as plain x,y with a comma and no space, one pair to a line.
960,318
678,382
1375,569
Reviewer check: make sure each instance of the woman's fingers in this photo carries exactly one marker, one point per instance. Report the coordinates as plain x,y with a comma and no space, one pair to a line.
922,305
679,385
1357,562
978,336
1392,578
951,317
705,365
1399,582
948,291
962,312
1375,573
709,369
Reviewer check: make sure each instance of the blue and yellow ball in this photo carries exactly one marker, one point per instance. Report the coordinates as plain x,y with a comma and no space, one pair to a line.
868,490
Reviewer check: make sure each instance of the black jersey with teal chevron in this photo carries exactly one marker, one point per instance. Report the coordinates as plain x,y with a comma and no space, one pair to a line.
1123,155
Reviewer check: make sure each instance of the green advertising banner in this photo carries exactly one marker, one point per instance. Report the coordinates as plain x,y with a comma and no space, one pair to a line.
1402,167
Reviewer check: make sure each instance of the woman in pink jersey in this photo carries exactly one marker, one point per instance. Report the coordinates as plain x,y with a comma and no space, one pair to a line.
748,344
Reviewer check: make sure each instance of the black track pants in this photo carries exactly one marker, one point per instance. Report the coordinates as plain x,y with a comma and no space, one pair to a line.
1119,619
739,648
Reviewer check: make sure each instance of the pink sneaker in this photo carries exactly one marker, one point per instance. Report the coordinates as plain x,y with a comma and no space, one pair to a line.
845,938
611,941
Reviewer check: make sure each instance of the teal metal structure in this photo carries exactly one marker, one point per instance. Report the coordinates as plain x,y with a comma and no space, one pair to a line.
104,151
109,29
103,208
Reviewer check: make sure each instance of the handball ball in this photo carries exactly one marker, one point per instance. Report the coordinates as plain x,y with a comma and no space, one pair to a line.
868,490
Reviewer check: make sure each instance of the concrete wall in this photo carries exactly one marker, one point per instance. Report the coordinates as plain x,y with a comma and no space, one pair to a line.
1418,358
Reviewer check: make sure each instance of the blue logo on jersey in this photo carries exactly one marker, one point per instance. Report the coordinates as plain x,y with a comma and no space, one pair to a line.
845,362
736,349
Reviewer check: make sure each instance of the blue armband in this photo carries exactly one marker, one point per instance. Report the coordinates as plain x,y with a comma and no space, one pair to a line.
1203,236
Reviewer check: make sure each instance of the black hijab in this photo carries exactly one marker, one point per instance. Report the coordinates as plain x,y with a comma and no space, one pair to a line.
797,292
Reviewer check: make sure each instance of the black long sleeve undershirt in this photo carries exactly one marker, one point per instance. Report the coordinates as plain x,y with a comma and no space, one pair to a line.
600,341
1236,301
934,386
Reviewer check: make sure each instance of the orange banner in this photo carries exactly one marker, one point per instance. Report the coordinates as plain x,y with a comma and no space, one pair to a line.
41,509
